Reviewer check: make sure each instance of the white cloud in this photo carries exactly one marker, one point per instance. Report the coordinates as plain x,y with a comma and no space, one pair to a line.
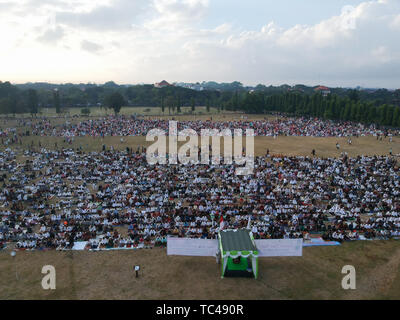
396,22
149,40
180,10
116,15
90,46
223,28
52,35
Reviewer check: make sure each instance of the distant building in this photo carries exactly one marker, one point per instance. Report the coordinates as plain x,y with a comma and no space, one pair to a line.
325,91
162,84
196,87
193,86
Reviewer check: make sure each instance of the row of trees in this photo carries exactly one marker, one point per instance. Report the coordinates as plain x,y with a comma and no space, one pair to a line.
82,95
14,100
28,99
351,107
332,107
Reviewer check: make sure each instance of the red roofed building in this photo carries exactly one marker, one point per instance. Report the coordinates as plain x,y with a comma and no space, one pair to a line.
162,84
323,90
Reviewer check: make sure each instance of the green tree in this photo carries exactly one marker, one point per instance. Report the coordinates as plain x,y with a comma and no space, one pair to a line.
208,105
329,111
235,101
33,101
193,105
85,111
7,106
115,101
178,104
173,106
396,117
371,114
382,113
389,116
347,112
162,104
353,113
56,100
169,101
353,95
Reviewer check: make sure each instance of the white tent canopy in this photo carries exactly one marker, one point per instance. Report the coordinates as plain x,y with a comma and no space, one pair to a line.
214,248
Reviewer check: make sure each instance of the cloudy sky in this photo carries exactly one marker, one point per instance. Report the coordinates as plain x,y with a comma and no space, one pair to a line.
334,42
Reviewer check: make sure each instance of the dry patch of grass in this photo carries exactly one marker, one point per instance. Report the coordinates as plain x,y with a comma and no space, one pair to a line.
110,275
126,111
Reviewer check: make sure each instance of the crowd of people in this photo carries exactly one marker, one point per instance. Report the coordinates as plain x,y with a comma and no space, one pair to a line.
51,199
10,137
134,126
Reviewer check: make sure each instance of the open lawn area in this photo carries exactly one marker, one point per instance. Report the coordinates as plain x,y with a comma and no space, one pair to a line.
126,111
110,275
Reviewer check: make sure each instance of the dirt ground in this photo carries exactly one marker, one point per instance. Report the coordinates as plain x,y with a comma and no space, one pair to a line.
110,275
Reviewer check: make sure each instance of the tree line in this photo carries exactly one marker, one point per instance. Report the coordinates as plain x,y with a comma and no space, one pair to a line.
333,107
352,106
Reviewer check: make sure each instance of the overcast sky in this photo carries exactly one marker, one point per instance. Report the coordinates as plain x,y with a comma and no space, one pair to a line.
329,42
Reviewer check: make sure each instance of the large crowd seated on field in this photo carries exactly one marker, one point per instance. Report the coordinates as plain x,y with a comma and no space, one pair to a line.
115,199
135,126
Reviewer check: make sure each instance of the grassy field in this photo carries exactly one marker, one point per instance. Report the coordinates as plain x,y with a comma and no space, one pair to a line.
325,147
110,275
127,111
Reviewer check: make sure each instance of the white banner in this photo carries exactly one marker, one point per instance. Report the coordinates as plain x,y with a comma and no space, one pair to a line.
280,247
79,245
192,247
208,248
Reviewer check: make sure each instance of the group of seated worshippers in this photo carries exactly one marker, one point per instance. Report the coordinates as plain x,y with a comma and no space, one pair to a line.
55,198
135,126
